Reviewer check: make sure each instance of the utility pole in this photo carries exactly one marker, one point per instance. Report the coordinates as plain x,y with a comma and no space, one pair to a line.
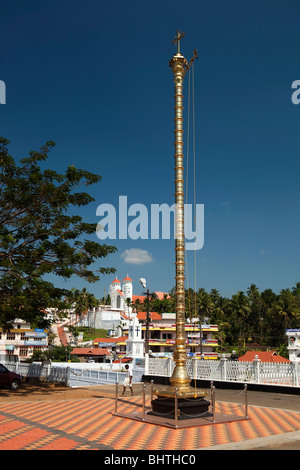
147,321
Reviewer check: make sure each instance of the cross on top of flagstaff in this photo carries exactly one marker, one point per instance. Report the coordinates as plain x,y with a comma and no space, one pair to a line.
177,39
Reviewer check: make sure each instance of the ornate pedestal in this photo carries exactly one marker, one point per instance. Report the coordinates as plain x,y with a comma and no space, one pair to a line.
186,408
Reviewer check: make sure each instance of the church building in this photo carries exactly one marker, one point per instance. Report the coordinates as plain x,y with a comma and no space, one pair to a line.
121,295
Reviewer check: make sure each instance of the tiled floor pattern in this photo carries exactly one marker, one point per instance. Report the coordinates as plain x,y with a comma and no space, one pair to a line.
90,424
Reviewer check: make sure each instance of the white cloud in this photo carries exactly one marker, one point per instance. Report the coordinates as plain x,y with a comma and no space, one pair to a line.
264,252
136,256
226,205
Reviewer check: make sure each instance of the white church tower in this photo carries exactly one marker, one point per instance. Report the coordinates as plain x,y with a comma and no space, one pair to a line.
119,293
127,294
116,294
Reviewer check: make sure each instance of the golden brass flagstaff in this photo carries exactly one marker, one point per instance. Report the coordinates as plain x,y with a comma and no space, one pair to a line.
180,380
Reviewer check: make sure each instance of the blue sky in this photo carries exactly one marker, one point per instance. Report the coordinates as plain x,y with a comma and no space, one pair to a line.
94,77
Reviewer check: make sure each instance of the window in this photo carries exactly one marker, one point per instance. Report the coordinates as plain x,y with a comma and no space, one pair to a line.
155,334
23,352
11,336
167,335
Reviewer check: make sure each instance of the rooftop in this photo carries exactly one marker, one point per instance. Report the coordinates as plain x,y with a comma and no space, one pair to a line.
90,352
264,356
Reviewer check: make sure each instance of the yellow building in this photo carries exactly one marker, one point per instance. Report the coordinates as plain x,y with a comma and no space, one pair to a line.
162,334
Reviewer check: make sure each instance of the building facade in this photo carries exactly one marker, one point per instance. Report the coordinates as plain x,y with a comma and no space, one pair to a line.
162,335
21,341
293,336
118,318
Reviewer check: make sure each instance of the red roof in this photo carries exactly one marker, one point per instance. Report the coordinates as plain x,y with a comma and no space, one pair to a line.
126,317
116,280
160,296
121,339
90,352
264,356
138,297
153,316
127,278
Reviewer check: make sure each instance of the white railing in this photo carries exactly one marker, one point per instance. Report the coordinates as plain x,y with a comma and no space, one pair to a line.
38,370
286,374
85,377
226,370
73,375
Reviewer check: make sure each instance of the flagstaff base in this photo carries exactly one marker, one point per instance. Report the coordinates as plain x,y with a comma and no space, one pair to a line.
186,408
187,404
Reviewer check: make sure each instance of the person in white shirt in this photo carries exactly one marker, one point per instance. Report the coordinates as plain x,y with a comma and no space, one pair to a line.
128,380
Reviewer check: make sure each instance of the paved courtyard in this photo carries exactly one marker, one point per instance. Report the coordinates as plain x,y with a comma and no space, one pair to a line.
90,424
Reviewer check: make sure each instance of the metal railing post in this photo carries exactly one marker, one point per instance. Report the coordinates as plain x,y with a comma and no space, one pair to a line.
144,396
151,393
246,401
214,402
116,399
176,407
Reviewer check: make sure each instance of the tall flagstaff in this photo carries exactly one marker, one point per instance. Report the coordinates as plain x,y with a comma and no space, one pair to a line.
180,380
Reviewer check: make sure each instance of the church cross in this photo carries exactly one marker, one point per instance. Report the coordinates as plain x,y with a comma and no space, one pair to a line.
177,39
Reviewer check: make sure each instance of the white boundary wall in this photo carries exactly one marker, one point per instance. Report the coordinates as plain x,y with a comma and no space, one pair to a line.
257,372
76,374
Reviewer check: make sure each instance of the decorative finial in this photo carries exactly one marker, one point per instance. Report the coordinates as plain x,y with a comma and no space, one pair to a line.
177,40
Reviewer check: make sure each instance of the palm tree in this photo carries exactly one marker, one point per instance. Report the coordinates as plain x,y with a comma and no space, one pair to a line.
296,293
287,309
256,305
190,303
241,311
220,317
270,325
205,304
82,302
215,295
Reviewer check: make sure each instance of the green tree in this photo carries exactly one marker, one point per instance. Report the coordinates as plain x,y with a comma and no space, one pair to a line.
240,314
82,301
287,309
296,293
39,236
166,304
205,304
268,325
219,317
55,354
255,321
